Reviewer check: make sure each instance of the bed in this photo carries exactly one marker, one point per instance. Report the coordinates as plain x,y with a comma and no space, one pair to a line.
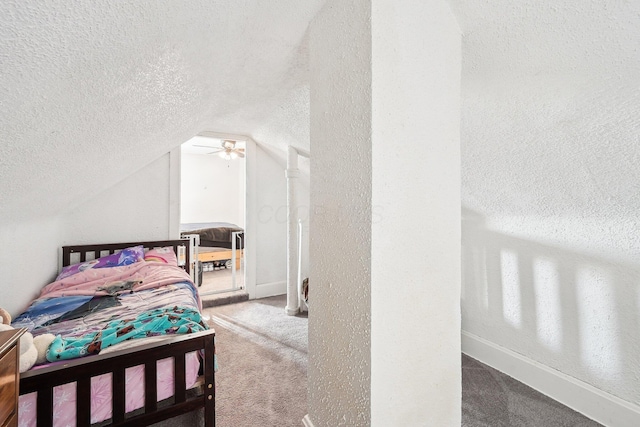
130,346
216,242
215,234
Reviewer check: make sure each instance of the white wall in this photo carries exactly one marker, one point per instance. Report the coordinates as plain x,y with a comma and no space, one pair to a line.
339,373
415,305
571,311
271,227
550,185
136,208
212,189
384,324
29,260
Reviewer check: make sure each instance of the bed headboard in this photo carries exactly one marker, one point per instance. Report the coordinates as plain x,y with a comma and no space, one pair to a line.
82,253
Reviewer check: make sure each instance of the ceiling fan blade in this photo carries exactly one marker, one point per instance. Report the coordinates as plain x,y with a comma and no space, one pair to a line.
241,150
214,152
240,154
204,146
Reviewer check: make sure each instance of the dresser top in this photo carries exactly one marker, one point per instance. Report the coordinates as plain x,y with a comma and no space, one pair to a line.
8,338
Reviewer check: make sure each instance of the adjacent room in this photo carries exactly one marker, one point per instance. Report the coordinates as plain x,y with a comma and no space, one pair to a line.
212,207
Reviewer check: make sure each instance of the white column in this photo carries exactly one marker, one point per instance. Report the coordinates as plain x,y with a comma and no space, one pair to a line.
292,173
415,308
339,370
384,331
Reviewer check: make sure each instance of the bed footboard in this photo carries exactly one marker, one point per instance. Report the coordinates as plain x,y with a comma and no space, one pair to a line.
82,370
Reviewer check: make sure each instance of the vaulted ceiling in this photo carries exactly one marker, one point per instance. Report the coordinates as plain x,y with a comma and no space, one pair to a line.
551,100
92,91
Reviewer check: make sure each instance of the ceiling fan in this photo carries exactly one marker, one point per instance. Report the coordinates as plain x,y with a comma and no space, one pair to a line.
227,149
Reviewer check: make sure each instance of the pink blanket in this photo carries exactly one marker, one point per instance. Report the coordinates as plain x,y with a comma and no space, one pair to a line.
95,281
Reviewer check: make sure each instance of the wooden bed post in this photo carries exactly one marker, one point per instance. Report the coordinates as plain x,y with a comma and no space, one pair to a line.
209,385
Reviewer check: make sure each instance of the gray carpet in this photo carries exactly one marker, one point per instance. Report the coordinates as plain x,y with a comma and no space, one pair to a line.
493,399
262,355
262,378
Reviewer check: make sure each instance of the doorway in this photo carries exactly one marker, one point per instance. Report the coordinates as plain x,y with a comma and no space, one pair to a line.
213,210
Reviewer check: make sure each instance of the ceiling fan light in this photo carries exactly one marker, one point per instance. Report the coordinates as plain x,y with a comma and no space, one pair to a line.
233,155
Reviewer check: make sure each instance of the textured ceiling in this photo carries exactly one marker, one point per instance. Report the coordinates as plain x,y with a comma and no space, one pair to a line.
92,91
551,117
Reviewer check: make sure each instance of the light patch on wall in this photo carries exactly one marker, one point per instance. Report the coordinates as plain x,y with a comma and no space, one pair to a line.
482,287
511,295
474,291
546,282
597,319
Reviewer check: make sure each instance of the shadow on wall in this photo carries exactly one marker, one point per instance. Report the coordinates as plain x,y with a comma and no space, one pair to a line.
570,311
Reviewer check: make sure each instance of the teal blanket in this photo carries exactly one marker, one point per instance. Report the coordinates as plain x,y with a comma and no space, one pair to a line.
162,321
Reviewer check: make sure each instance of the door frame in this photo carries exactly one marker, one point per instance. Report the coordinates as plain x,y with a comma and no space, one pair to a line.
250,202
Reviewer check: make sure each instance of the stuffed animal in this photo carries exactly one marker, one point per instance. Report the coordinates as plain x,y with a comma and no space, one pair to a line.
30,347
5,317
41,343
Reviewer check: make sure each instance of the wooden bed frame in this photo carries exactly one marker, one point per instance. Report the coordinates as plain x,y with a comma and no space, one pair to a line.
82,370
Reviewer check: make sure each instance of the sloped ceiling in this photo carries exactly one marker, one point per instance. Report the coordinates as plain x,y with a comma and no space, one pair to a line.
551,105
551,118
91,91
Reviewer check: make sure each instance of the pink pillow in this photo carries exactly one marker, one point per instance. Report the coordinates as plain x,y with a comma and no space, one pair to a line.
124,257
164,254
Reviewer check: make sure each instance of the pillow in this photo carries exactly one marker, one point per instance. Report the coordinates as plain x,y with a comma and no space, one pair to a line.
124,257
165,255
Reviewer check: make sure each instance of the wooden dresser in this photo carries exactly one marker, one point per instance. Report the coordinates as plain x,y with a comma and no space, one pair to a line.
9,376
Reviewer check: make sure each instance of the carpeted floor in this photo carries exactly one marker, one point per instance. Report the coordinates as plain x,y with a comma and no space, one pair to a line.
262,355
493,399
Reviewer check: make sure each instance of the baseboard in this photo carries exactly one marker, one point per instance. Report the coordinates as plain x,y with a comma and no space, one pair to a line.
592,402
307,421
264,290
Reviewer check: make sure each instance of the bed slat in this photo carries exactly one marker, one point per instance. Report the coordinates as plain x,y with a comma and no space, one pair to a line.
45,407
83,402
150,386
118,395
179,381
